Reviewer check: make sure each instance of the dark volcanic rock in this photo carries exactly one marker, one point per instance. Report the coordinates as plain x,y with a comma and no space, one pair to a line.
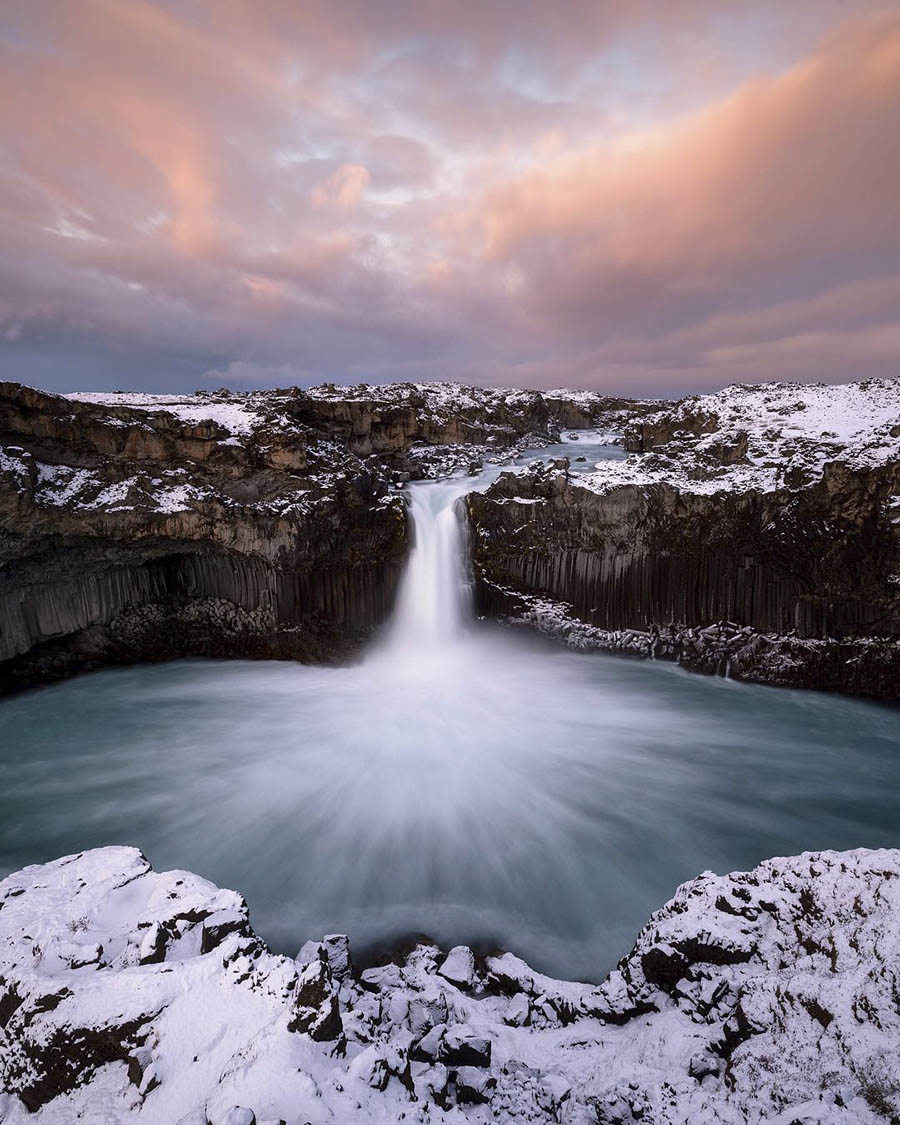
761,549
136,527
757,532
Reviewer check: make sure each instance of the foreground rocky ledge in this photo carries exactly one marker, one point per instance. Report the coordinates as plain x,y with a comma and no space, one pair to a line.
762,995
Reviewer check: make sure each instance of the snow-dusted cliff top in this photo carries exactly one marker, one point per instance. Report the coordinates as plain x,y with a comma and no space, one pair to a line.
234,413
243,412
763,437
162,455
766,995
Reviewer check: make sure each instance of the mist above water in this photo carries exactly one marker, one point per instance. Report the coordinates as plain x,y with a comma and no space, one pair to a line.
471,782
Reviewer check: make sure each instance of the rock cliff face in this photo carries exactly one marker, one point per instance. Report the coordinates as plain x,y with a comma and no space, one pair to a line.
762,995
748,534
755,531
140,527
128,534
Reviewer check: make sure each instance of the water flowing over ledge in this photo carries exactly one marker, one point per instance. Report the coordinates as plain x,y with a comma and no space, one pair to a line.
434,603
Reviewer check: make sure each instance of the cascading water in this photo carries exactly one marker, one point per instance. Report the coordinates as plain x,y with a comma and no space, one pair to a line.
476,783
434,602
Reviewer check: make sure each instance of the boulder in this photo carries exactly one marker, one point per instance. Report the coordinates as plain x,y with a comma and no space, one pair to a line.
458,966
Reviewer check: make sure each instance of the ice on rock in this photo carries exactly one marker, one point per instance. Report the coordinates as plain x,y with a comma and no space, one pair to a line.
424,1015
333,948
510,974
429,1046
316,1008
473,1086
552,1090
517,1010
337,947
308,951
370,1066
431,1082
461,1046
237,1115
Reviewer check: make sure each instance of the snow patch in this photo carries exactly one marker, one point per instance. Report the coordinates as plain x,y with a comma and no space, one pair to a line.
237,417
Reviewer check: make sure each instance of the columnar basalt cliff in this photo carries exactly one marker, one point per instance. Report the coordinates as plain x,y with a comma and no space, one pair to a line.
139,527
127,995
129,534
753,531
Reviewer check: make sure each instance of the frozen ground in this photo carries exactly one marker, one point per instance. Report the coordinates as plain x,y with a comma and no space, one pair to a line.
762,436
134,996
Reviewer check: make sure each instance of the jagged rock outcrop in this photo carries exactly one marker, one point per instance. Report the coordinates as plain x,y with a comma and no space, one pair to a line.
762,995
753,533
141,527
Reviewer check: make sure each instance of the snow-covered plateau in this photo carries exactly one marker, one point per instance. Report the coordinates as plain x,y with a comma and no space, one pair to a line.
767,995
762,436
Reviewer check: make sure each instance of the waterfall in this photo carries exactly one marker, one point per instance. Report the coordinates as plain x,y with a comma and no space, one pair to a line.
435,598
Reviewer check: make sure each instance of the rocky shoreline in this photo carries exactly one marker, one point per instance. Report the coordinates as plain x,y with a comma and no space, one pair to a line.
864,666
761,995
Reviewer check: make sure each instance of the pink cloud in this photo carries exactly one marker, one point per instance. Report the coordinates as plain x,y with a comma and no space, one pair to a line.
343,188
495,191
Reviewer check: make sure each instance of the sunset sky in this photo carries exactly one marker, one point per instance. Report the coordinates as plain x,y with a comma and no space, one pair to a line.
650,196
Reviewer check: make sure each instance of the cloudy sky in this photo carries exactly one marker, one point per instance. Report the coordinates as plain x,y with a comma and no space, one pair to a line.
653,196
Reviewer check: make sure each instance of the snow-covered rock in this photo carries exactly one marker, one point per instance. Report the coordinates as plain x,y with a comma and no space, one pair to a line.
127,995
761,437
459,966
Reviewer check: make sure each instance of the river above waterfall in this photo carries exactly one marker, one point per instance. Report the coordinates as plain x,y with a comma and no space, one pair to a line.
471,782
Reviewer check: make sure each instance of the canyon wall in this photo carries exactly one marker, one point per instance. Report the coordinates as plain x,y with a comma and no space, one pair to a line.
127,535
817,562
137,527
271,524
802,548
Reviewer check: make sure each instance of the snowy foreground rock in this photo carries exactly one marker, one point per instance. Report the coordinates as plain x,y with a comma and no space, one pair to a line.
765,995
